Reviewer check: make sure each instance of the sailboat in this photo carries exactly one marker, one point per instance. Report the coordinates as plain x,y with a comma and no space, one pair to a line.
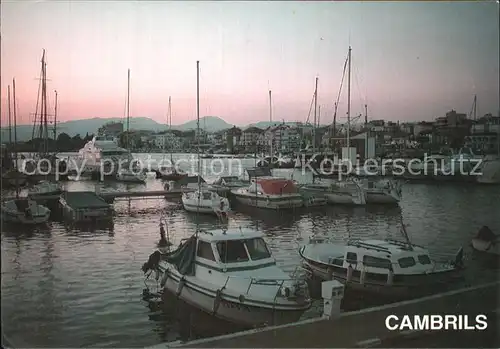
170,172
21,210
203,200
129,173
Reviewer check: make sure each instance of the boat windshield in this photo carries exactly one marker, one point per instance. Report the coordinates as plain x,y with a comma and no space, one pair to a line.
234,251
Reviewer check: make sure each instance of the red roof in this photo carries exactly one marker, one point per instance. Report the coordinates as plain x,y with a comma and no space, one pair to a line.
277,186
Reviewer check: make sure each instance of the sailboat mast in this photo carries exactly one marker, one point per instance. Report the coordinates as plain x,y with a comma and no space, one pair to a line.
128,108
475,107
170,124
349,104
15,135
271,127
315,114
44,106
10,120
198,118
55,122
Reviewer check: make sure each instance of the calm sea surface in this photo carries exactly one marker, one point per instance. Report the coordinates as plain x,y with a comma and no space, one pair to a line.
66,287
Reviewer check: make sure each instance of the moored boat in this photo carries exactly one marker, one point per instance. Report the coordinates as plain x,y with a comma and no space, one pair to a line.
170,173
204,200
381,191
384,267
215,271
24,211
486,241
270,192
338,193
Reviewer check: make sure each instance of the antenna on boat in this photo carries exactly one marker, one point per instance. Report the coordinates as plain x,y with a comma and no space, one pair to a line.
198,140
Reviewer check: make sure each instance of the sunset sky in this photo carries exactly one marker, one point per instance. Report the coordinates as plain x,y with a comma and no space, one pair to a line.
411,61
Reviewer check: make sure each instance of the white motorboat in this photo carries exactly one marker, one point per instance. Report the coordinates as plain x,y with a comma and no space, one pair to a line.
24,211
385,267
381,191
232,275
45,190
338,193
225,184
270,192
486,241
204,201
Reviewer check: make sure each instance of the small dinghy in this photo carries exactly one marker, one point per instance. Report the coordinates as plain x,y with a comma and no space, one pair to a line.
216,271
24,211
45,190
384,267
486,241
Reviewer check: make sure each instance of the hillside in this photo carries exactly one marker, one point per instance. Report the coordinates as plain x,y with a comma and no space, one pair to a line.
84,126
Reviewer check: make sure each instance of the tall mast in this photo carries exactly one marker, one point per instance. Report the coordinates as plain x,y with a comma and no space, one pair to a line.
45,134
15,135
366,114
475,107
10,120
319,114
315,114
198,120
128,108
170,124
271,127
55,122
349,105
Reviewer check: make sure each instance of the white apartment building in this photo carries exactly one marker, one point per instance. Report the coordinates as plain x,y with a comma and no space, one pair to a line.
167,141
285,138
251,136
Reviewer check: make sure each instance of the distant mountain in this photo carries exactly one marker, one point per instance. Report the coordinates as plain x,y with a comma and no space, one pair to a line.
209,123
84,126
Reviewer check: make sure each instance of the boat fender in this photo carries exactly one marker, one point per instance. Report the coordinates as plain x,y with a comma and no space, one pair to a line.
349,273
164,280
390,276
180,286
268,202
217,299
157,274
362,276
241,298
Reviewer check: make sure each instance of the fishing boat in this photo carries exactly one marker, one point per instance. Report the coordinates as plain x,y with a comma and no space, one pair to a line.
130,172
486,241
216,271
175,189
490,170
338,193
384,267
21,210
270,192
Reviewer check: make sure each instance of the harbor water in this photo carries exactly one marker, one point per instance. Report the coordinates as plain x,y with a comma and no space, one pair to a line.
64,286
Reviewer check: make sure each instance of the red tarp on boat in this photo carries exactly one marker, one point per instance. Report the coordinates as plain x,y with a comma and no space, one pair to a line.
277,186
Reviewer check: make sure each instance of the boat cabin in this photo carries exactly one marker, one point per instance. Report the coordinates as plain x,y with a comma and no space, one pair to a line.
229,181
380,256
272,186
234,247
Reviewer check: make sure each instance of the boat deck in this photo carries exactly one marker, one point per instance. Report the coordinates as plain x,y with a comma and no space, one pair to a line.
366,328
84,200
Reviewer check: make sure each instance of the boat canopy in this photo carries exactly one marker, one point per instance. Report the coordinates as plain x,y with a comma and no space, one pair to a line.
277,186
259,172
184,257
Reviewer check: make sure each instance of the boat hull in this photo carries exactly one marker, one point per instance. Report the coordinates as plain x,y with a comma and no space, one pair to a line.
235,312
377,285
381,198
486,246
199,208
9,216
273,203
343,199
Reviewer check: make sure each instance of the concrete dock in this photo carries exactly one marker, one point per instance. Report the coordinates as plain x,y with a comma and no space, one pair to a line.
367,327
